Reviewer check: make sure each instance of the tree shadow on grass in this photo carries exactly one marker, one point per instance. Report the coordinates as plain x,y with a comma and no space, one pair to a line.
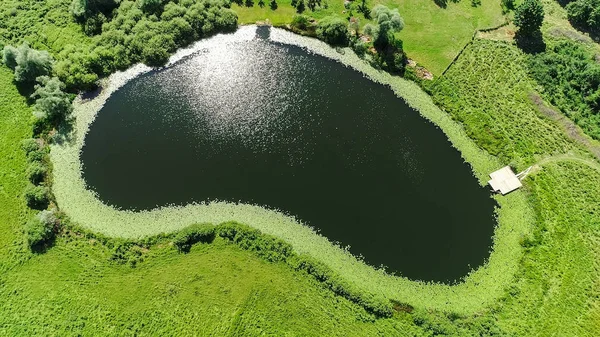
530,43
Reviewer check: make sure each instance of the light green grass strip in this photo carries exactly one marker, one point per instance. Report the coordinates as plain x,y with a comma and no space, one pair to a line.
479,289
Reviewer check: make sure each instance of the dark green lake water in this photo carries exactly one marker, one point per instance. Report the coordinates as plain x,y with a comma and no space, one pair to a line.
273,125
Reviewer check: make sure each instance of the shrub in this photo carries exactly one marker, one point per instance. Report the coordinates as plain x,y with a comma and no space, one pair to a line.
30,145
39,230
333,30
300,22
190,235
37,197
529,16
36,172
36,155
266,246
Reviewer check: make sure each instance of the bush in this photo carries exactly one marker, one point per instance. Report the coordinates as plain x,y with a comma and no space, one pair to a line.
37,197
39,230
529,16
36,172
30,145
190,235
36,156
300,22
266,246
571,80
333,30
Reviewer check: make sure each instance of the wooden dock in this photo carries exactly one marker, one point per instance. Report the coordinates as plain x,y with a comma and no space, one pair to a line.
504,180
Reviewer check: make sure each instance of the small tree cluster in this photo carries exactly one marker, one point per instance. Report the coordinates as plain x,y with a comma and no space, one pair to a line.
390,50
145,31
529,17
27,63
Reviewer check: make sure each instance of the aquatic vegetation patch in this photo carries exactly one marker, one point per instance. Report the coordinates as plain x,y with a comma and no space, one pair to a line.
478,290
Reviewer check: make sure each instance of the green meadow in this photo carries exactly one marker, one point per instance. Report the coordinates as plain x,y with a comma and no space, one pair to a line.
542,278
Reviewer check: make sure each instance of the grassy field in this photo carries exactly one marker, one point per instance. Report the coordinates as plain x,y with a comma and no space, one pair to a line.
555,291
76,288
15,126
432,36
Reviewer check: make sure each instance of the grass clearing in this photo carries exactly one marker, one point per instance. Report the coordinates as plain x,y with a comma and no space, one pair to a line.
433,36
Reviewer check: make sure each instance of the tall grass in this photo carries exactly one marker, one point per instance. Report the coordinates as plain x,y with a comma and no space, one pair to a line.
479,289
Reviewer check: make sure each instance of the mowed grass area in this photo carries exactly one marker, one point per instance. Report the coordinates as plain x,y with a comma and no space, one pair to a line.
432,36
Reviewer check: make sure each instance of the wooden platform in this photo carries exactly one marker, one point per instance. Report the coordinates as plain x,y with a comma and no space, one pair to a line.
504,180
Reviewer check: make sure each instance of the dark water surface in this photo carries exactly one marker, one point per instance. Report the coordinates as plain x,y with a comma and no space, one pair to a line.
273,125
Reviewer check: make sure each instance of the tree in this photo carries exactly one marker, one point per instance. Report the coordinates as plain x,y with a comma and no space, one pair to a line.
333,30
529,16
388,22
52,104
27,63
40,229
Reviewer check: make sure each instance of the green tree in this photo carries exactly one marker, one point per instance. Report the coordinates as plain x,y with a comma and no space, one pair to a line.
51,102
529,16
27,63
333,30
40,229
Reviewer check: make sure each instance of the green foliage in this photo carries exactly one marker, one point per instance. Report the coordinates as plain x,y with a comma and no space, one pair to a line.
37,197
268,247
333,30
27,63
36,172
52,104
83,9
390,53
192,234
300,22
585,14
29,145
142,31
529,16
39,230
570,77
150,6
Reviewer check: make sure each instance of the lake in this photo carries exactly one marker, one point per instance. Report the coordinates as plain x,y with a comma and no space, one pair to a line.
270,124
